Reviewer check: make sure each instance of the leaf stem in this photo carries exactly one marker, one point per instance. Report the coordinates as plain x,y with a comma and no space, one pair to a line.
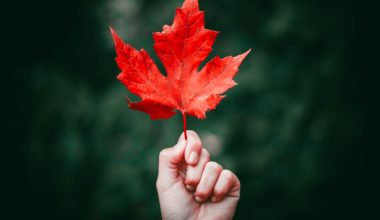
184,124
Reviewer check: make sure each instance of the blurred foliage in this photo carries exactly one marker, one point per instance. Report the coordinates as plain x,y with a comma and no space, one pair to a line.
297,130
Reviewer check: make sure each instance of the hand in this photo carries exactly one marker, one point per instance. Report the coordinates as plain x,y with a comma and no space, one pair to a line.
190,186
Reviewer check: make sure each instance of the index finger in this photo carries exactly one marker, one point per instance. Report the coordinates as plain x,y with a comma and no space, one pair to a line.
193,148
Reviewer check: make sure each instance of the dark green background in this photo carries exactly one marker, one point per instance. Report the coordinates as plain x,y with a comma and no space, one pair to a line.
298,130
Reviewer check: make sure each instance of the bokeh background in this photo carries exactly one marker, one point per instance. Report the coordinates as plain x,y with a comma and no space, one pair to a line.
298,129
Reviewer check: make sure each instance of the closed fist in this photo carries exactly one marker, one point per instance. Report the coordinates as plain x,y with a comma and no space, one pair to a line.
190,186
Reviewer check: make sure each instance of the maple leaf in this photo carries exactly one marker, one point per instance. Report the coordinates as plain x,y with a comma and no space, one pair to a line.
181,48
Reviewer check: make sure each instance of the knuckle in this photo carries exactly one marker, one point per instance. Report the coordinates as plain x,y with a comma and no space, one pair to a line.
164,153
212,165
228,174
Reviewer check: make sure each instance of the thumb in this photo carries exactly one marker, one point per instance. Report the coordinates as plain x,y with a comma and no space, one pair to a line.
169,162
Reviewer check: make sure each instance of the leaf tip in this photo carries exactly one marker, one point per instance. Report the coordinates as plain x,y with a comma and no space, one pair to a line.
119,76
242,56
113,32
246,53
111,29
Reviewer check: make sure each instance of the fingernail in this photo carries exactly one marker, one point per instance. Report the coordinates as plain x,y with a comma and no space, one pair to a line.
198,199
190,188
193,158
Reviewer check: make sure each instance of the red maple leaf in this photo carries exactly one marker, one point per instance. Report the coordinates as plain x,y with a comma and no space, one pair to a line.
181,48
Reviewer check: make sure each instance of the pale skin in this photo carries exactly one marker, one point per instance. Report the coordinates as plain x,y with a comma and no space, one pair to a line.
190,186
